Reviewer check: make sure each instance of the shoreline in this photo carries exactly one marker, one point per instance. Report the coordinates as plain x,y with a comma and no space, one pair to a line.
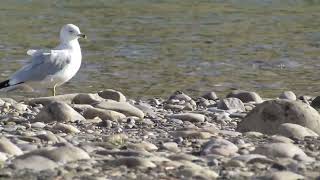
105,135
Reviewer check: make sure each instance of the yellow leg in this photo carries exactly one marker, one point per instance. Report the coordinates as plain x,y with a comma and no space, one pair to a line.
53,90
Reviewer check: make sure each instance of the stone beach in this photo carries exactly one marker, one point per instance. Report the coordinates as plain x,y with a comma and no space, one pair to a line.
106,135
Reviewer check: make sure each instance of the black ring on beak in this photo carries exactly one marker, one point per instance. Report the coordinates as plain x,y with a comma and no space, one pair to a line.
82,36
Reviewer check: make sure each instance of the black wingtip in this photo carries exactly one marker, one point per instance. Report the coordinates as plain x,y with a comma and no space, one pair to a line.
4,84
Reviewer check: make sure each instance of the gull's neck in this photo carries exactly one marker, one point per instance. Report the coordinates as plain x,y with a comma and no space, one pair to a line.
73,45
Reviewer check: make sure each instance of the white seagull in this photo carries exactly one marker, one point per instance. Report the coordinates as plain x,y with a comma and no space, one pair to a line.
51,68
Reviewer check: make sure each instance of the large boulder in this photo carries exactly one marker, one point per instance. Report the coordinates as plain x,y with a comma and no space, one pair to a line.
268,116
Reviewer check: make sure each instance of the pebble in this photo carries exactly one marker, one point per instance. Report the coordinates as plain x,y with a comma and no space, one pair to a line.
86,99
67,128
192,117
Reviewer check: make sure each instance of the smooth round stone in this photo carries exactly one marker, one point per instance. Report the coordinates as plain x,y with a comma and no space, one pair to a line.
122,107
67,128
210,96
147,146
288,95
8,147
295,131
245,96
285,175
280,150
170,146
221,147
39,125
86,99
34,162
104,114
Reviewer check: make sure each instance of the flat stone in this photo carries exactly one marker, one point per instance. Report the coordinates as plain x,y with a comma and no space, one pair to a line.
58,111
147,146
67,128
192,117
231,104
87,99
295,130
245,96
39,125
63,154
268,116
288,95
104,114
284,175
194,171
171,146
35,163
282,139
8,147
221,147
122,107
113,95
247,158
279,150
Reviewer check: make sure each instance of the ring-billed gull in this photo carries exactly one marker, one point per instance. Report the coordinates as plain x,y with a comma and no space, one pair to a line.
51,68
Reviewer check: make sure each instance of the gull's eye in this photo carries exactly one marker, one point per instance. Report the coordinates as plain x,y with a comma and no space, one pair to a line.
70,31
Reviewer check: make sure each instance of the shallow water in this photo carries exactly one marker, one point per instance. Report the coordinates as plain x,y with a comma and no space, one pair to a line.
154,47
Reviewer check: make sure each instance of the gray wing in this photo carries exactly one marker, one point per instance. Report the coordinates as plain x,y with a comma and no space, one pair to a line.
43,64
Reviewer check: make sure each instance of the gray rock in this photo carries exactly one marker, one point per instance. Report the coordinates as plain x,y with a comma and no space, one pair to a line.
221,147
210,96
104,114
316,102
252,158
194,171
34,162
63,154
147,146
113,95
134,162
170,146
289,95
87,99
284,175
67,128
192,117
282,139
8,147
121,107
295,130
231,104
58,111
245,96
268,116
286,150
39,125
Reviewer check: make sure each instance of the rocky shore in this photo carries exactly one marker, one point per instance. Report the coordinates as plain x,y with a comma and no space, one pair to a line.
105,135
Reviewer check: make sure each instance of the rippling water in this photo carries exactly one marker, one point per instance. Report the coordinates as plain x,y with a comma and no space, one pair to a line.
154,47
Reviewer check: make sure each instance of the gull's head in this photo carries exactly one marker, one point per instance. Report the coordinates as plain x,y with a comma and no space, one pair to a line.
70,32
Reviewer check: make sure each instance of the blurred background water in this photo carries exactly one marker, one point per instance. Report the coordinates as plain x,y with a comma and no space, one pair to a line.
154,47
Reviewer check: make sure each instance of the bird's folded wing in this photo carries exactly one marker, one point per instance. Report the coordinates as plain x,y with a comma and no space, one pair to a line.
43,64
